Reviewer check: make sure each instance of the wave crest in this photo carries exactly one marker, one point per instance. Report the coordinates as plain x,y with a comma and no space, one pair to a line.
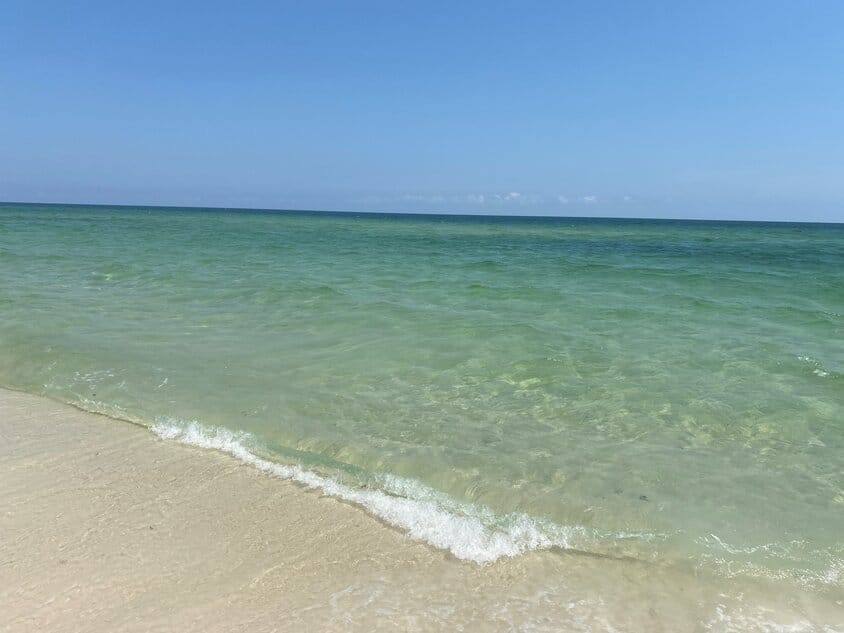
470,532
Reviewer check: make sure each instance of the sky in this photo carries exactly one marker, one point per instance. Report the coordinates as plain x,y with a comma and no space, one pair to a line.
722,110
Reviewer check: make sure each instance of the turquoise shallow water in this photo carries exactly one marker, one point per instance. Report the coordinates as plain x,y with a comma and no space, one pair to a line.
670,391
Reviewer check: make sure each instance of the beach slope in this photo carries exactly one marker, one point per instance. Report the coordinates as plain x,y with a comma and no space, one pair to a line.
105,527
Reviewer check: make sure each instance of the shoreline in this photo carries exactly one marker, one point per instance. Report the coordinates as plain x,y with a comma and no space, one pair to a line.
108,528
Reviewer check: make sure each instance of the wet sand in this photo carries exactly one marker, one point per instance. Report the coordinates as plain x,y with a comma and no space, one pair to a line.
105,527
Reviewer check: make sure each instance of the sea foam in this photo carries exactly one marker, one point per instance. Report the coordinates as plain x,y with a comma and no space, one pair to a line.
469,531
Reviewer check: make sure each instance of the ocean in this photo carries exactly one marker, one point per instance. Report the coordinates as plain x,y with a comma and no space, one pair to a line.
666,391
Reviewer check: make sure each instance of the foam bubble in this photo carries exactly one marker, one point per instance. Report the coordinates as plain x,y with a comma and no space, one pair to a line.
468,531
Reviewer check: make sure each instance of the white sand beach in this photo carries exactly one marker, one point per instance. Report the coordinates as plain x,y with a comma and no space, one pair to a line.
107,528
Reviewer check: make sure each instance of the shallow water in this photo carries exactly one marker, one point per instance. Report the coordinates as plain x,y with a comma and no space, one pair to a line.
667,391
118,509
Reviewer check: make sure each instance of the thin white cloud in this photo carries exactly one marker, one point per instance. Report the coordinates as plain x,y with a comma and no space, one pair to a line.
590,199
520,198
508,197
415,197
562,200
491,200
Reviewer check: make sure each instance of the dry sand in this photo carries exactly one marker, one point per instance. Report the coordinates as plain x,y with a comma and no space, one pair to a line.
105,527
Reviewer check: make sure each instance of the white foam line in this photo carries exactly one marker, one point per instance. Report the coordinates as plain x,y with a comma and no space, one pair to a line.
467,537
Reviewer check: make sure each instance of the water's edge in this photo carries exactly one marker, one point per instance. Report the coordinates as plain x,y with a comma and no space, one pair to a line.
471,532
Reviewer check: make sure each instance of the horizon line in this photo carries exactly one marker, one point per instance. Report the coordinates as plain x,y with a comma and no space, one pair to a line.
426,214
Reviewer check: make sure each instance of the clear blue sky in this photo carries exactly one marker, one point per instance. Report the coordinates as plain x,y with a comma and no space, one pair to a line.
679,109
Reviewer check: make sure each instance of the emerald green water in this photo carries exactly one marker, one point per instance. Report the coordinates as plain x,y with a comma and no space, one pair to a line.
671,391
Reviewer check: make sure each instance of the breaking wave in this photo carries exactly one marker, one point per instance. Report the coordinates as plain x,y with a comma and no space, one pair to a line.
469,531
